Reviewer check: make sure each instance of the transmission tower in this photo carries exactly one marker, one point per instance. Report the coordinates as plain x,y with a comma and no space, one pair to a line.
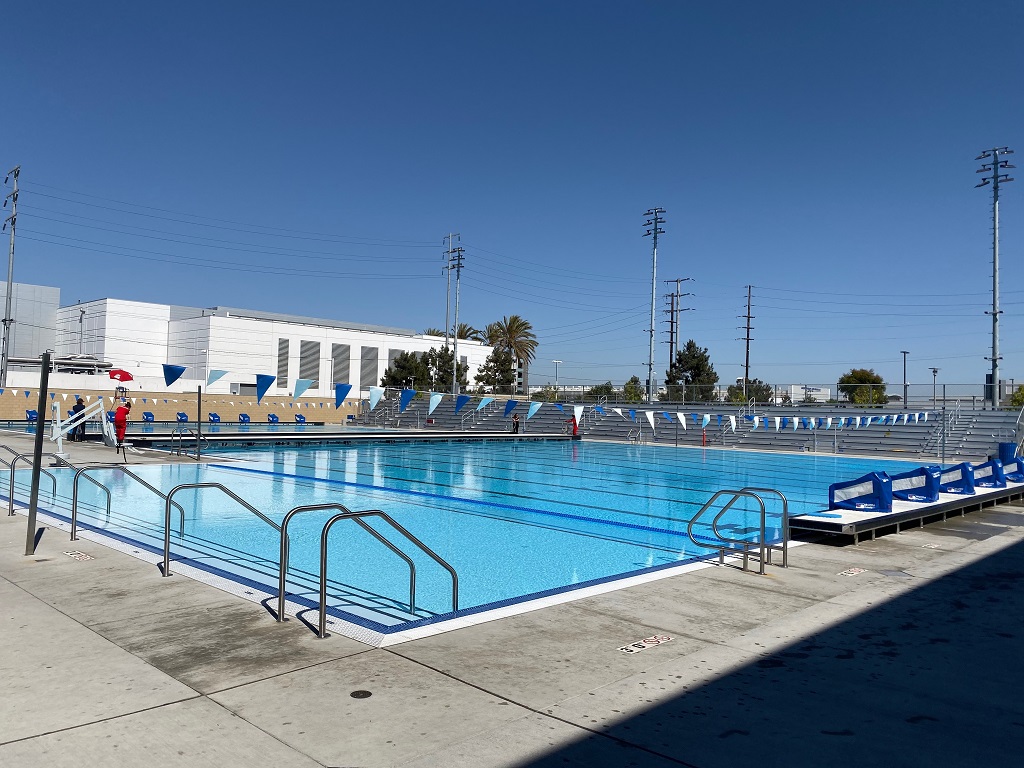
5,350
654,220
746,337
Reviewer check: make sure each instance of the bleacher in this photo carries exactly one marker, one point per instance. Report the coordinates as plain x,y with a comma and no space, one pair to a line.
970,434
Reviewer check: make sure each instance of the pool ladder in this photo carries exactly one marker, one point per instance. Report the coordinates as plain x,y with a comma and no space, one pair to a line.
343,513
744,547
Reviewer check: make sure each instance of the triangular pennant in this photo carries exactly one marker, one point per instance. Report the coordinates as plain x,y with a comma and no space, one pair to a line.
577,412
301,385
732,422
534,407
705,420
559,407
682,420
340,393
484,402
650,417
719,419
828,423
172,373
632,414
599,409
217,375
614,410
64,396
404,398
777,420
460,402
510,406
667,415
757,420
53,395
27,393
263,382
435,400
376,393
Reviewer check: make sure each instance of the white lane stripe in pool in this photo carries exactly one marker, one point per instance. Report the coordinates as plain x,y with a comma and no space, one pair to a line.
336,625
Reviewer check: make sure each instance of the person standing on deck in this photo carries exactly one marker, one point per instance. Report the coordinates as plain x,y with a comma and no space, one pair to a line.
121,421
77,434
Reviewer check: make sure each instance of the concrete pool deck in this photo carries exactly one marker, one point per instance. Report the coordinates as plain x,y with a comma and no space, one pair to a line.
904,651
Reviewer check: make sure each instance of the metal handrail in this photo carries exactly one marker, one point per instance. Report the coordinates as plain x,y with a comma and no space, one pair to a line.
742,543
167,515
180,433
785,521
125,470
286,546
322,627
27,456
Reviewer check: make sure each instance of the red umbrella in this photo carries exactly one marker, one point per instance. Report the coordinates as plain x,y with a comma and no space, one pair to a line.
121,375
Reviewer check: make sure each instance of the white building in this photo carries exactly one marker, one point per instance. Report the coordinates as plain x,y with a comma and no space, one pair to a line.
140,337
799,392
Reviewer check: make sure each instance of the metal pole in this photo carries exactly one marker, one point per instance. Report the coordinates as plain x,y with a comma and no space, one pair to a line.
904,379
455,331
995,283
37,457
199,422
746,364
653,222
935,374
5,350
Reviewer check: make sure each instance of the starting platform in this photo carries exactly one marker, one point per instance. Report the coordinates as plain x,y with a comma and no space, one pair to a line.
905,514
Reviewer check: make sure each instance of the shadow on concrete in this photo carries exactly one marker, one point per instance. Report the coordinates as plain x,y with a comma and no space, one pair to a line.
934,677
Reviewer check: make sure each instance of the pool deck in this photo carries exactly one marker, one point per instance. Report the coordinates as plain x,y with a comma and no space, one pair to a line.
903,651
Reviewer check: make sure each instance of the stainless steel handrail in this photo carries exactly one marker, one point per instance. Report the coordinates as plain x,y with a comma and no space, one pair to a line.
286,545
167,515
180,433
322,627
785,522
125,470
27,457
742,543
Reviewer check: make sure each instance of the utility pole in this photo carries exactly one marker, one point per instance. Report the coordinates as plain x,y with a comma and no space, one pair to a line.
654,220
674,311
448,292
904,353
746,337
994,166
5,351
455,262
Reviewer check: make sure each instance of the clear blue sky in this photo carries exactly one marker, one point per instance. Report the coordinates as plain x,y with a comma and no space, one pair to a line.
310,157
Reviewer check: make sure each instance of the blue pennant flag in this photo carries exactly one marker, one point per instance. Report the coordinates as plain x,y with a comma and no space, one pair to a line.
632,414
667,416
510,406
559,407
405,398
695,419
785,422
172,373
340,393
599,409
263,382
719,419
460,401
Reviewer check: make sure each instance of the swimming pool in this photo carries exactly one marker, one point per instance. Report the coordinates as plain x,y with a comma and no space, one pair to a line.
517,520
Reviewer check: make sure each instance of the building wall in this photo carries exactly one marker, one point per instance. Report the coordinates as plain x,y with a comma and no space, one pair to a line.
141,337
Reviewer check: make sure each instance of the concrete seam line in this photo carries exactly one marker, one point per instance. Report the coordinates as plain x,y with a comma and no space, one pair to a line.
528,708
101,720
314,665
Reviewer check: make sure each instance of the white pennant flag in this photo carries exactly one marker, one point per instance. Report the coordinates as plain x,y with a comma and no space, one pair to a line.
925,414
732,423
577,411
618,411
777,422
705,420
650,417
682,420
757,420
828,423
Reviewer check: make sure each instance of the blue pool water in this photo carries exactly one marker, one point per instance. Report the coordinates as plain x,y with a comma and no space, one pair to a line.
515,519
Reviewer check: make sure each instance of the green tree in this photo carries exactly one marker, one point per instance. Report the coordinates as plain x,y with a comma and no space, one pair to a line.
407,370
1017,399
633,391
439,362
863,386
468,332
691,376
516,335
757,389
433,332
497,372
598,391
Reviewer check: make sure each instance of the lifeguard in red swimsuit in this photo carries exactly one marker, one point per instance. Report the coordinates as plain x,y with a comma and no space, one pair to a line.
121,420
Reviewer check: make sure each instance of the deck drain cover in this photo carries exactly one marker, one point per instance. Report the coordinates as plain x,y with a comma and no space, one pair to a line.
360,694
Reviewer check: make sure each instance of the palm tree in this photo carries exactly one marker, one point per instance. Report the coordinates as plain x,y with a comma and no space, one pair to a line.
516,335
433,332
468,332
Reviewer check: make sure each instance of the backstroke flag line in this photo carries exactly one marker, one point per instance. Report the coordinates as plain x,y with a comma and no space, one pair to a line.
263,382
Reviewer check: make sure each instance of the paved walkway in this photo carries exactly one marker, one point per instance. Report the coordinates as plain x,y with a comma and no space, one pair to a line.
915,660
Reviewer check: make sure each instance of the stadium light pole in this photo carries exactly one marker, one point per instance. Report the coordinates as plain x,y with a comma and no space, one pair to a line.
993,166
935,376
904,378
556,362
